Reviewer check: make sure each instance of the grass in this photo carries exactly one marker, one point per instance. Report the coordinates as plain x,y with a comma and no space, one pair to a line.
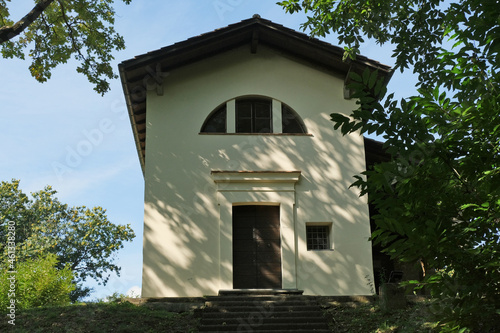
101,317
152,317
370,318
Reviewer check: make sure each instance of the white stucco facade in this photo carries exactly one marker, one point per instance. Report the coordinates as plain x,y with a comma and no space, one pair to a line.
193,179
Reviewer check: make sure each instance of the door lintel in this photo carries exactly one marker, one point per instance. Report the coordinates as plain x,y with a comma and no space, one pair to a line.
221,176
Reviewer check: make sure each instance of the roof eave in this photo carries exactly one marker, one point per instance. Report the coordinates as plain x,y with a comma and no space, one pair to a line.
128,102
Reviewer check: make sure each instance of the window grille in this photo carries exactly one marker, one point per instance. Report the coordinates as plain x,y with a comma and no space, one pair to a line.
253,116
318,237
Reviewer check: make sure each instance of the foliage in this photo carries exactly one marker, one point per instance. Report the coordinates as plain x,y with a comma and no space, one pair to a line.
416,317
38,283
438,198
115,297
80,237
102,317
56,30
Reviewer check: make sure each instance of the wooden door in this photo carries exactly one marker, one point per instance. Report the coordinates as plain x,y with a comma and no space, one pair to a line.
256,247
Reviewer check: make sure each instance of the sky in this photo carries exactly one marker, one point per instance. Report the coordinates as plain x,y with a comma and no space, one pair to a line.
62,133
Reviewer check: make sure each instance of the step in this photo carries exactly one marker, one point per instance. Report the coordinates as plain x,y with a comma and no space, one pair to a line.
270,320
258,298
221,314
253,308
260,303
291,330
258,327
270,292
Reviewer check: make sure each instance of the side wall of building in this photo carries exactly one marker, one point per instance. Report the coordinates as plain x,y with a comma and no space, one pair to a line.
185,252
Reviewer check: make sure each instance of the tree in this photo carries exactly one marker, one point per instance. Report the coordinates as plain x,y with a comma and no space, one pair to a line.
83,239
56,30
438,198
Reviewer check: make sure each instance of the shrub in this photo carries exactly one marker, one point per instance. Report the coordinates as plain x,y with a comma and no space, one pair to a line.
37,283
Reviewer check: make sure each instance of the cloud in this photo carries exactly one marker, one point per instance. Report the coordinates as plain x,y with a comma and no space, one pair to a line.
134,292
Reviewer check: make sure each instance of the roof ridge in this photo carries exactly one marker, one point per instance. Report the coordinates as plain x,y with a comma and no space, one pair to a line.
255,19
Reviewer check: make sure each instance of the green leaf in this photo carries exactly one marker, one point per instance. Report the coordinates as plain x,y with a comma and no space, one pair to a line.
373,79
366,76
355,77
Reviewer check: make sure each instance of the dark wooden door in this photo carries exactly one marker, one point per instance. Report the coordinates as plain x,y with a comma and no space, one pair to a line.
256,247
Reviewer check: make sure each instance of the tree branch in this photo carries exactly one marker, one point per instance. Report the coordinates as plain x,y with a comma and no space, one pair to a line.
71,32
11,31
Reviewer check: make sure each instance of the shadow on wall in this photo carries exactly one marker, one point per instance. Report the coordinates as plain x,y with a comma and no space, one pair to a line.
182,229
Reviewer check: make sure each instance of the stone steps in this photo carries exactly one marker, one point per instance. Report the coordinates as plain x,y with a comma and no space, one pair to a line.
257,313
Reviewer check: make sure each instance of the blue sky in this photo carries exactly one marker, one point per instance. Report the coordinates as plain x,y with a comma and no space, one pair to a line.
62,133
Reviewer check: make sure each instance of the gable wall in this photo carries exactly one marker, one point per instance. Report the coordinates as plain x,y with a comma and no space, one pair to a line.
182,231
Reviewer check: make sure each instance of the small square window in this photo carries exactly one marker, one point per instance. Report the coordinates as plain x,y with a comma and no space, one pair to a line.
318,237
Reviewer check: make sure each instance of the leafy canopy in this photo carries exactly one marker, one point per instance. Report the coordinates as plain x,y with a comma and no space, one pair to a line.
438,197
56,30
83,239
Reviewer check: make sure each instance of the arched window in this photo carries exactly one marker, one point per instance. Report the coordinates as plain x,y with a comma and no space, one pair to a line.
291,122
254,115
216,121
